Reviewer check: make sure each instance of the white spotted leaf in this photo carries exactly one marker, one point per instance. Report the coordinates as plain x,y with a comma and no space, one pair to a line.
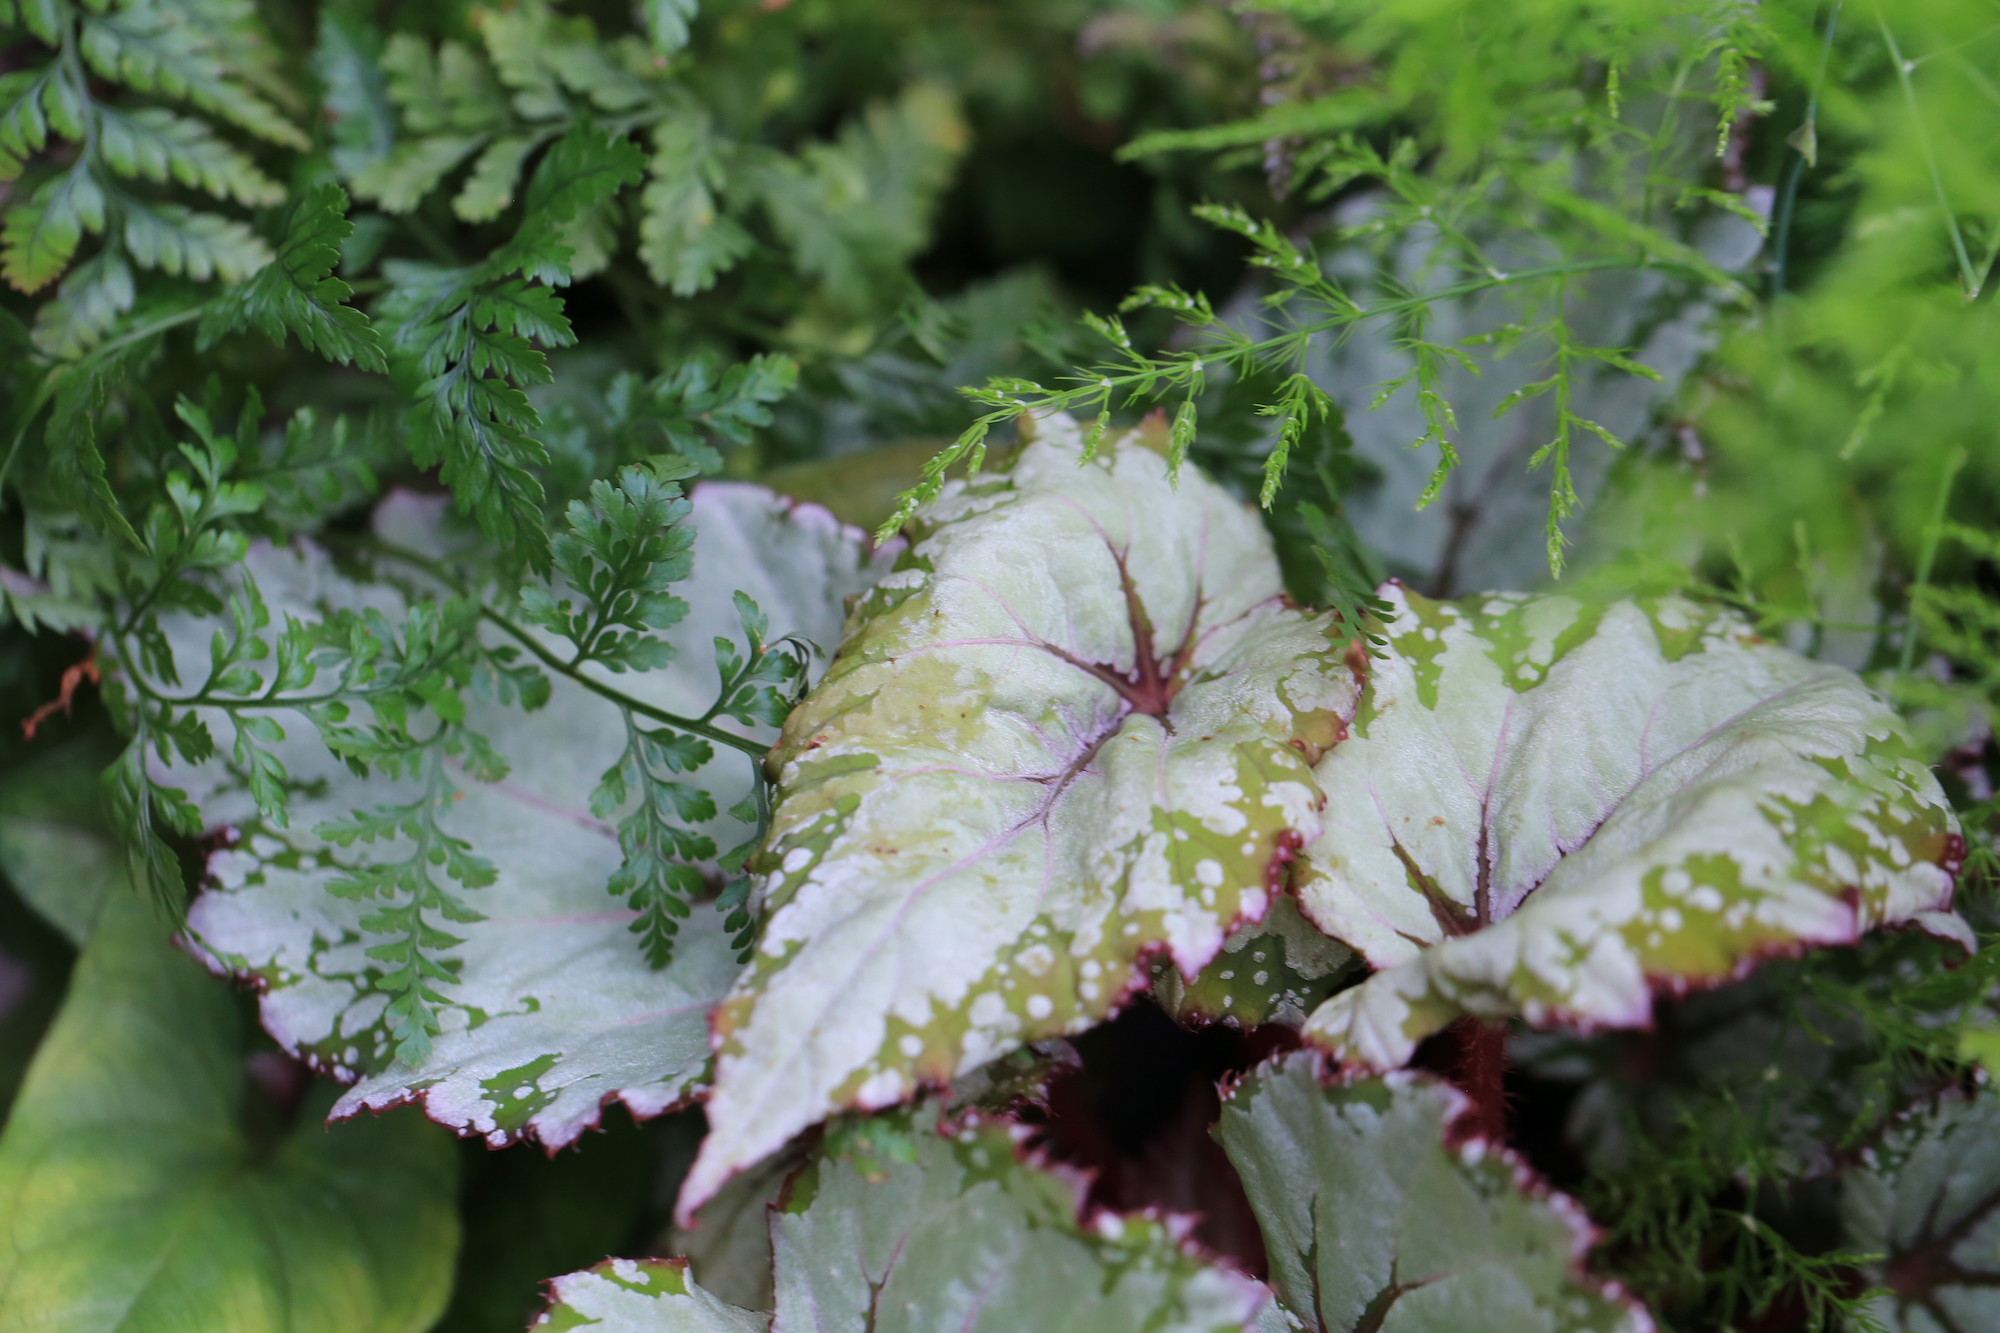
555,1012
1377,1215
1552,809
1073,730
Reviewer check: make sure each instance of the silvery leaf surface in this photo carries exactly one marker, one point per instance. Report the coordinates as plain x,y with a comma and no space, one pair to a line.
1927,1199
1551,809
1074,729
1377,1216
641,1296
555,1012
901,1227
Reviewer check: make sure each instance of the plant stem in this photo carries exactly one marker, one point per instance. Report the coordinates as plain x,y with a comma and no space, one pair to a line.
1933,534
694,726
1481,1074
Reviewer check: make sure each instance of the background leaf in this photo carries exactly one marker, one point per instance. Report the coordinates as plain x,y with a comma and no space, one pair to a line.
131,1196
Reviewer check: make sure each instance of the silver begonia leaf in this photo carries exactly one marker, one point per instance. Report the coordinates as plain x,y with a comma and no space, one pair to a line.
1377,1216
1549,808
556,1012
1927,1199
1075,728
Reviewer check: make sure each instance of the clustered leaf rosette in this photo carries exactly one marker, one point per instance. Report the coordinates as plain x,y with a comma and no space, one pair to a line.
1073,729
1081,726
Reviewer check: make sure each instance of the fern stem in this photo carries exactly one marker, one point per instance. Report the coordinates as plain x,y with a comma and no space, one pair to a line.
1933,535
693,726
1971,277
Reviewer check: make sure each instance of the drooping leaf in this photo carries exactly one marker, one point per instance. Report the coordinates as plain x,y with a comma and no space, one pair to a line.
1549,809
1061,738
1276,971
298,293
132,1198
1927,1200
554,1011
642,1296
902,1223
1375,1219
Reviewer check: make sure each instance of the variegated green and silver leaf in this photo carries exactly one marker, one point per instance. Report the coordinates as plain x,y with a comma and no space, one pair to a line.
1074,729
1276,971
1927,1199
133,1200
1550,809
906,1223
556,1011
903,1228
1378,1216
641,1296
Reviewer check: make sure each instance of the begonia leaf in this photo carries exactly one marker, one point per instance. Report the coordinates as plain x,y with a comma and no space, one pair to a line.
906,1223
1074,729
1276,971
641,1296
555,1011
1378,1216
1927,1200
132,1197
1550,809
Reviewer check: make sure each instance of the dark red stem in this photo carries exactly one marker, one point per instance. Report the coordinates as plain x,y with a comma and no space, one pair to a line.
1482,1075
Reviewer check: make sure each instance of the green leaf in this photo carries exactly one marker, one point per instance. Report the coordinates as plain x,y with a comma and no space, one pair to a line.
347,59
132,1197
912,1228
903,1224
642,1296
1552,809
92,297
667,23
684,241
178,240
1121,723
41,234
400,180
1376,1216
24,126
584,168
157,46
1927,1200
854,210
299,293
154,144
553,1011
489,189
56,848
